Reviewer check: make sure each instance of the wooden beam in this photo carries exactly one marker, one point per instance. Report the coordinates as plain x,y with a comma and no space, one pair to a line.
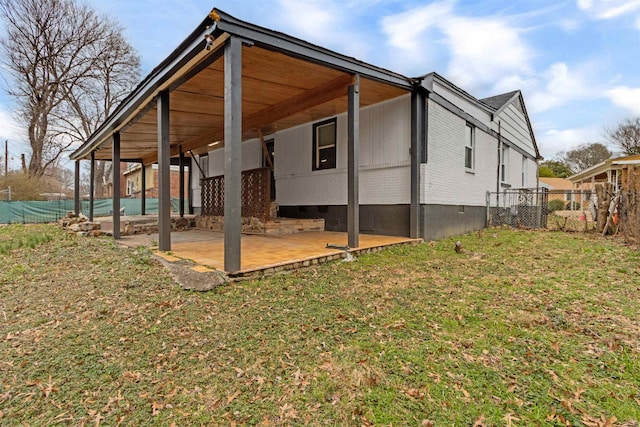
326,92
265,150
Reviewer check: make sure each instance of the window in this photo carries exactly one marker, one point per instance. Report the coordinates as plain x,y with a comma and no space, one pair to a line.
524,171
469,146
324,145
204,166
504,164
131,187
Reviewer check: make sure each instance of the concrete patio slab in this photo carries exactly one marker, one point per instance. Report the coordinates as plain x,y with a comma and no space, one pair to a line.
263,254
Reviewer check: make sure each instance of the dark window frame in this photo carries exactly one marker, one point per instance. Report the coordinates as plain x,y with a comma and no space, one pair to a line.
332,163
470,147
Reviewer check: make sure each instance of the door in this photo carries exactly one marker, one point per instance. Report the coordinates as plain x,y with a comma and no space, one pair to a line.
271,150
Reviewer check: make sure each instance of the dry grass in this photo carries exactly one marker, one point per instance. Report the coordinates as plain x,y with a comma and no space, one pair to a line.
524,329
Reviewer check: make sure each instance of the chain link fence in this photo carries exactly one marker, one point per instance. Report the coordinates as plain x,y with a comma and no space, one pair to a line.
542,208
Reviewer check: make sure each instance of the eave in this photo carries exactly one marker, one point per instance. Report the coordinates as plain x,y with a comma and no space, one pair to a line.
192,74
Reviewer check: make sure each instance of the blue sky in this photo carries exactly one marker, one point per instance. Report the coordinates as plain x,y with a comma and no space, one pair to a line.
577,62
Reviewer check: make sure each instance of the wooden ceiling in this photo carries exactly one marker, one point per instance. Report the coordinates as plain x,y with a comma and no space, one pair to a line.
278,92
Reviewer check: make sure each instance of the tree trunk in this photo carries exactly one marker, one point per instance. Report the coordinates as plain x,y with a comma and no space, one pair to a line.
603,192
631,207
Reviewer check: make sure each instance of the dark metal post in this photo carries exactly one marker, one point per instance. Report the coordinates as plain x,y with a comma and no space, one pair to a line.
143,194
417,140
115,158
181,181
232,154
164,201
353,163
76,190
92,185
190,185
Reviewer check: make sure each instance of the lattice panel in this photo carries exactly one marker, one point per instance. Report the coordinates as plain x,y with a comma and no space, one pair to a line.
254,194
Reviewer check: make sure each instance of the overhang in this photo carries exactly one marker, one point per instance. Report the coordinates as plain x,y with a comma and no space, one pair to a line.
599,171
286,82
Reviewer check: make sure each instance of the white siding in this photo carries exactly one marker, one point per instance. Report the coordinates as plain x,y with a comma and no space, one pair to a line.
251,159
460,101
514,127
445,179
385,138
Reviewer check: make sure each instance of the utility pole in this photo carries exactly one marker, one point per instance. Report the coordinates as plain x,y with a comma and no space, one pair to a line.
6,159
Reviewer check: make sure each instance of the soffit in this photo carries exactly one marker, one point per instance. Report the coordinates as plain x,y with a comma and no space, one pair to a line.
278,92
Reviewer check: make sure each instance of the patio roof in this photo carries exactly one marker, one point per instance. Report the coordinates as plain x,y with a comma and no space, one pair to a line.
286,82
600,170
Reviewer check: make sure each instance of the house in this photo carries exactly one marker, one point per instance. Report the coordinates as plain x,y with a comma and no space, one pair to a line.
559,189
132,180
611,171
266,117
107,184
459,151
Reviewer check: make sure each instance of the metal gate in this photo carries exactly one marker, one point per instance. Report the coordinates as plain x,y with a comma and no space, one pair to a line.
531,208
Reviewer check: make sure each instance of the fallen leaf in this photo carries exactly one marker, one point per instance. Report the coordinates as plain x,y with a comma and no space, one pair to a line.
155,408
479,422
510,418
232,397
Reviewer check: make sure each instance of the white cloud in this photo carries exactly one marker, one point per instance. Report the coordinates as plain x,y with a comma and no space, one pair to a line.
625,97
406,30
309,18
480,48
553,141
563,85
609,9
10,129
326,23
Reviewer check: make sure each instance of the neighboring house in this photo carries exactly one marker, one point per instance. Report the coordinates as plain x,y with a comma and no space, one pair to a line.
559,188
107,185
610,171
367,149
132,181
460,162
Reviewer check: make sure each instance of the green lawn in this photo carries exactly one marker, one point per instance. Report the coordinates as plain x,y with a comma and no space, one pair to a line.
524,329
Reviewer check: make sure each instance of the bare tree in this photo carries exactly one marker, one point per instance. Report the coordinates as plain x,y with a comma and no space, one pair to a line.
626,136
117,72
585,156
68,69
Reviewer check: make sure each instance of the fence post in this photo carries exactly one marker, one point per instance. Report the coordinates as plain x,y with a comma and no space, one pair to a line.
488,219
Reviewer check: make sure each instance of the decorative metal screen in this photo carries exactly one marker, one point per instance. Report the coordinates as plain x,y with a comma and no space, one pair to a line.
255,194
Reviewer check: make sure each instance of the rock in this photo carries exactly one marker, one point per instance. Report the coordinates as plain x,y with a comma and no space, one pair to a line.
84,227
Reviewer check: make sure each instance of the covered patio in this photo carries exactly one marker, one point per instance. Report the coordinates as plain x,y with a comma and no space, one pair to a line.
231,81
263,254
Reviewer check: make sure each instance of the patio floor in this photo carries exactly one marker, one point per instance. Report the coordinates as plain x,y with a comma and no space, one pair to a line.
262,254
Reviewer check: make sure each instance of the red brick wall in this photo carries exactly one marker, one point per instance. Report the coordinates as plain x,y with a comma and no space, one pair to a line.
174,181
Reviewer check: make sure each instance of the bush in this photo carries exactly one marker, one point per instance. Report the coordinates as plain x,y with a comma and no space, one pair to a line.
555,205
573,206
